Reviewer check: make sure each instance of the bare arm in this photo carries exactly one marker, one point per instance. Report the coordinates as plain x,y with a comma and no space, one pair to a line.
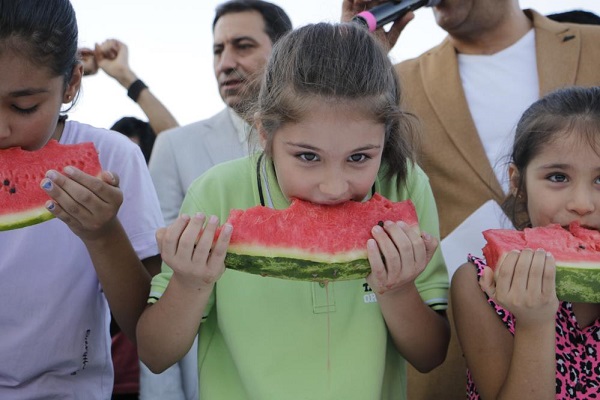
523,366
166,330
420,334
112,57
89,205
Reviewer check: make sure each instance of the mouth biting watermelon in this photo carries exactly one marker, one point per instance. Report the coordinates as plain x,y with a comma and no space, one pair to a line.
309,241
576,251
22,201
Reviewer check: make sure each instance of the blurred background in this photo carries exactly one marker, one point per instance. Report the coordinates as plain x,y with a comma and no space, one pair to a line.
170,49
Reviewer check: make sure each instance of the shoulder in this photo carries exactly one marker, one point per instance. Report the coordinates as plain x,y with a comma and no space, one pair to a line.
110,144
226,175
542,23
413,65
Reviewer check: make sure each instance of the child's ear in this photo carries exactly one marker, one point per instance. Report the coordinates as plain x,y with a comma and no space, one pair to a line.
514,178
74,84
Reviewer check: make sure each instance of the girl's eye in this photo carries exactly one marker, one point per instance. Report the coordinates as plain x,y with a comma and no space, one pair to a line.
29,110
308,157
358,157
559,178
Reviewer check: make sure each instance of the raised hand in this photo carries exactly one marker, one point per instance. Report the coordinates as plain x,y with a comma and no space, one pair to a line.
398,253
387,38
524,284
87,204
188,247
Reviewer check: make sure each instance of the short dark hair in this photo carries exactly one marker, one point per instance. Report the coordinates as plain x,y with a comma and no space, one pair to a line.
277,22
576,16
134,127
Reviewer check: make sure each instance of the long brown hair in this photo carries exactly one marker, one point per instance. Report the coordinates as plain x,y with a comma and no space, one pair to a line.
336,63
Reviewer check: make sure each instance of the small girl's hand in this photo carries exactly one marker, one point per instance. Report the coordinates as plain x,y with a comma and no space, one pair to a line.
88,205
398,253
524,284
188,247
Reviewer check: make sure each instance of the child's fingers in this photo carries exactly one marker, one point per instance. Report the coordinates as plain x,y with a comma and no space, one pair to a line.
105,189
431,245
60,189
521,273
219,250
536,273
378,271
189,236
549,278
205,241
488,283
171,234
504,272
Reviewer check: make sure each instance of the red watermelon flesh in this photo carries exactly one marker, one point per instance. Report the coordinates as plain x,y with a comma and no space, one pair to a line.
22,200
309,241
576,251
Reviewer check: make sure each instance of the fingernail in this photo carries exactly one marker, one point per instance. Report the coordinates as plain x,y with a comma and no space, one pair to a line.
112,177
213,219
51,174
50,205
227,228
69,170
46,184
377,229
426,236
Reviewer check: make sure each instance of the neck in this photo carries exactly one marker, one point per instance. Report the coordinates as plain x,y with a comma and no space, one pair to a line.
512,25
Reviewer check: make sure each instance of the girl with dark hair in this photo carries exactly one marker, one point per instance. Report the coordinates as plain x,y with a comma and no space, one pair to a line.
519,340
58,278
332,132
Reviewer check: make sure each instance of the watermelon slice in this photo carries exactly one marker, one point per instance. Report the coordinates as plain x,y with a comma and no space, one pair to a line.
309,241
22,201
576,251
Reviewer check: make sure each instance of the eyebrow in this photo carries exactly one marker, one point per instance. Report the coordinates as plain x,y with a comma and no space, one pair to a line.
311,147
558,166
236,40
27,92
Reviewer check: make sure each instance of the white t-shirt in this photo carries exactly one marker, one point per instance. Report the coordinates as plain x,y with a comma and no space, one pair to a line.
54,318
499,88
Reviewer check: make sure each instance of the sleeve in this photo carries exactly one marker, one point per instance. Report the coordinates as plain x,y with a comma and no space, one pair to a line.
164,173
140,212
433,282
191,205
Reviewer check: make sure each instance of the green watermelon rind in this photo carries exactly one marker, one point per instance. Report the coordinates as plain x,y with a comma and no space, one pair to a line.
297,269
25,218
578,284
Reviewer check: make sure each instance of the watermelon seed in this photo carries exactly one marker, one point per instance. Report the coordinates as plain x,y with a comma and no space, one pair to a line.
6,182
380,223
12,190
582,247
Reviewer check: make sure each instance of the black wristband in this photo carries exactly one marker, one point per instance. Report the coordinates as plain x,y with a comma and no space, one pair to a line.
135,89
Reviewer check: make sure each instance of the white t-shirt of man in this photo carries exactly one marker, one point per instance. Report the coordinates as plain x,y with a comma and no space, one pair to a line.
499,88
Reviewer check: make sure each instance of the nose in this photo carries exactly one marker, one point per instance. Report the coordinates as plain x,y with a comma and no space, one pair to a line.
583,200
226,61
334,186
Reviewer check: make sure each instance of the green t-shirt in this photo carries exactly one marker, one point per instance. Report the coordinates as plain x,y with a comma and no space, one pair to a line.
266,338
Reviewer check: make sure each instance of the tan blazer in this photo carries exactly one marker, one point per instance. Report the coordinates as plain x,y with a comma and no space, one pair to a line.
453,157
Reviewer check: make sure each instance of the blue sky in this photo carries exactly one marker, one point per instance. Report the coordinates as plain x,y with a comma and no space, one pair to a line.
170,48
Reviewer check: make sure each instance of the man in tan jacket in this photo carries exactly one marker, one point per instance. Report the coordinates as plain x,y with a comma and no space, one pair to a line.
469,92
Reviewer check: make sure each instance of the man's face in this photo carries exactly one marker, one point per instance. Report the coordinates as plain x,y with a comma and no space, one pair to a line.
469,17
241,49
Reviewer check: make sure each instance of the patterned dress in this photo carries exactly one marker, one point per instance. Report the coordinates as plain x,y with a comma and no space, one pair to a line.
577,364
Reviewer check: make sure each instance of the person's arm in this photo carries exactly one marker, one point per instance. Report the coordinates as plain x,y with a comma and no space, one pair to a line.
112,57
420,334
89,205
388,38
523,366
166,330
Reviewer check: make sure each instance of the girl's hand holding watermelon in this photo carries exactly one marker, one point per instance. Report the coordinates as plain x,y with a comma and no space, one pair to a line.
524,284
398,254
87,204
187,247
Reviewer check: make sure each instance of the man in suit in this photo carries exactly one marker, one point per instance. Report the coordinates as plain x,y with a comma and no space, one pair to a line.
244,32
469,92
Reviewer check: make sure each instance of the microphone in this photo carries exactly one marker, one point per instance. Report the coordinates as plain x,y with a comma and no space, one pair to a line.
384,13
